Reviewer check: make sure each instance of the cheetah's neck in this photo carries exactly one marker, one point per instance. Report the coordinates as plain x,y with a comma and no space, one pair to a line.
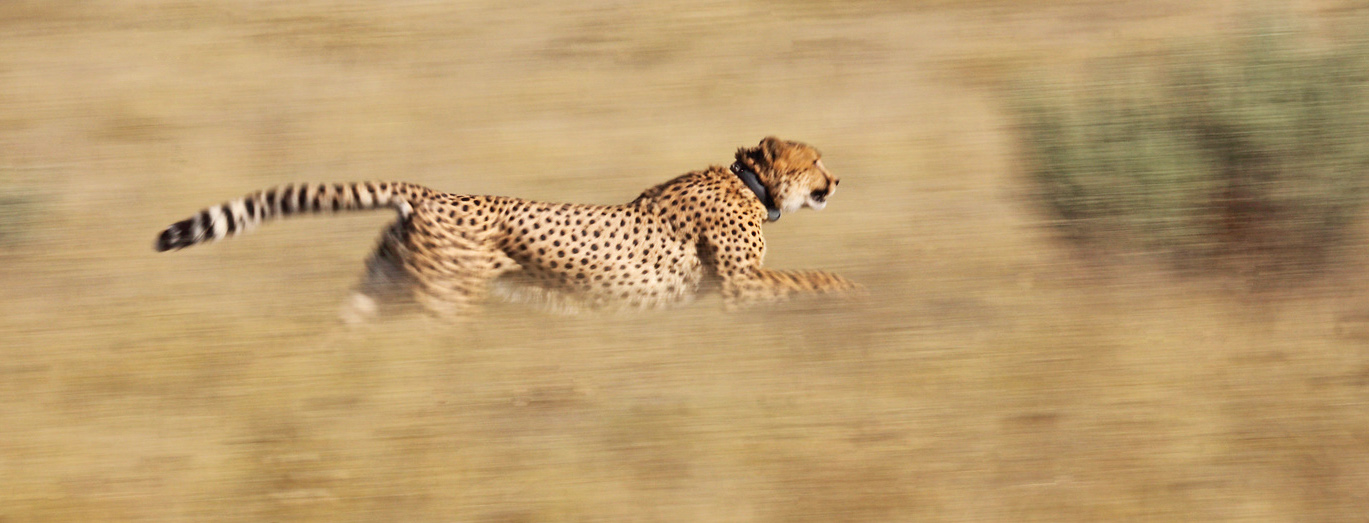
753,182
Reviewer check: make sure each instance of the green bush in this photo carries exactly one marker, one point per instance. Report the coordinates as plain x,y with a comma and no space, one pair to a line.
1255,151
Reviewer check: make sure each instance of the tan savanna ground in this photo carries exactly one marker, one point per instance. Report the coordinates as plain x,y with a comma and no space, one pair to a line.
992,376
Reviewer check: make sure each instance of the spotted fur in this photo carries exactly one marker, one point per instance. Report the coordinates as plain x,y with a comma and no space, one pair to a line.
449,252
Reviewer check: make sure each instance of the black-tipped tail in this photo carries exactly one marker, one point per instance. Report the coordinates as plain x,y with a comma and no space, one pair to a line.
240,215
178,236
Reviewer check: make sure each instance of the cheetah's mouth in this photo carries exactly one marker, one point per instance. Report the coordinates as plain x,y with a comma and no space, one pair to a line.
818,199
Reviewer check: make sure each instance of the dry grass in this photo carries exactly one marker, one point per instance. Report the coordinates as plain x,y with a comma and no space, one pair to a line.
989,378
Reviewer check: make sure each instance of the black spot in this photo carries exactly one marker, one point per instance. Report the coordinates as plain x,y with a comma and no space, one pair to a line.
303,199
356,193
251,207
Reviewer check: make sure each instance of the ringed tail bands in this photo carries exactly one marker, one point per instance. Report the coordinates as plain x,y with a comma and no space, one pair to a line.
246,213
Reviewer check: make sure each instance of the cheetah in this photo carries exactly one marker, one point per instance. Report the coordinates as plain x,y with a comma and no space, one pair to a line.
448,253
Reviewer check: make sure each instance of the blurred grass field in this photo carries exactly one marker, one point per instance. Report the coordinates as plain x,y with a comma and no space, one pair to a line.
993,375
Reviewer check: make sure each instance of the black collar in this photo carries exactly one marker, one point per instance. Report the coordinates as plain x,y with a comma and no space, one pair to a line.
753,182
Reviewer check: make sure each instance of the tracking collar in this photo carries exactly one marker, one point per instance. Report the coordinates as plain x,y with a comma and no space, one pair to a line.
753,182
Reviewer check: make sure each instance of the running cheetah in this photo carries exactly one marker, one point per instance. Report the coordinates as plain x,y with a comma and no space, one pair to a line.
447,252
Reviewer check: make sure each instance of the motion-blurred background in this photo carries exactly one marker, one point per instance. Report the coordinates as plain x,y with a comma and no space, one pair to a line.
1115,249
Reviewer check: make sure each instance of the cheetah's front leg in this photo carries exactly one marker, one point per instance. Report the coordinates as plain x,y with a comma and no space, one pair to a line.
736,255
766,286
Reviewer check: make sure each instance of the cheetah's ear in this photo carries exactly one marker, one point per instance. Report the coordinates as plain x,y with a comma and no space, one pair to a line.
756,158
772,148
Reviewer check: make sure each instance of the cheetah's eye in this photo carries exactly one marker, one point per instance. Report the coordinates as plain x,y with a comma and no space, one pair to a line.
820,194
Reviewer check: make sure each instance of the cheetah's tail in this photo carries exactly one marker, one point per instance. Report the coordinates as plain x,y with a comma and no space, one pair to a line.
243,214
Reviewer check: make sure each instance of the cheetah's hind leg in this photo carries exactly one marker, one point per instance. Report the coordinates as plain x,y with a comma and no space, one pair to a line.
384,288
458,283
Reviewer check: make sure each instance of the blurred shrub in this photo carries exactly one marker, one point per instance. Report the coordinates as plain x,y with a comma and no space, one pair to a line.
1253,151
16,208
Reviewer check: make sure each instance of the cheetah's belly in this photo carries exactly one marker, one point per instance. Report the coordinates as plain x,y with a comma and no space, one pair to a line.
598,257
652,282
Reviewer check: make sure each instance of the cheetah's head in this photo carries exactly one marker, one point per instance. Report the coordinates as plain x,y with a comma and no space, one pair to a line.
792,172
